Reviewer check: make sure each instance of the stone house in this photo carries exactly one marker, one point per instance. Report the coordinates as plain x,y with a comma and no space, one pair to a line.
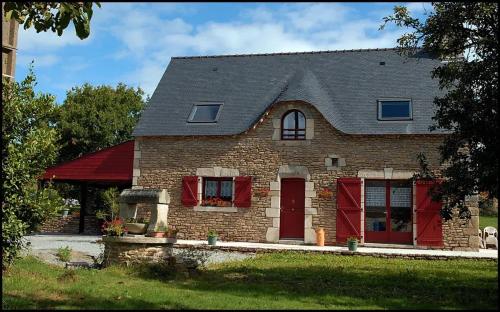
270,147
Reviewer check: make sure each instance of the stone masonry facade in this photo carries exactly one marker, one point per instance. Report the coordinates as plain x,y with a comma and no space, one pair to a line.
325,155
70,225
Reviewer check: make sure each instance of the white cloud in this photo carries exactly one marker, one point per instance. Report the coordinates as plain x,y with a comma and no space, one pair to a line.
317,16
149,34
39,60
419,7
289,28
31,41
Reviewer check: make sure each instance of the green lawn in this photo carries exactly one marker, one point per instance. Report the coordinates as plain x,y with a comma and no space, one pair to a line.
272,281
485,221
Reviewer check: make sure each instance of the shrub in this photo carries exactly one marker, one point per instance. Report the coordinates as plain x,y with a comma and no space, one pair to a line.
64,253
28,147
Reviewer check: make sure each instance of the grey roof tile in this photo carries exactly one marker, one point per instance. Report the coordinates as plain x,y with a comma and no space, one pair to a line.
343,85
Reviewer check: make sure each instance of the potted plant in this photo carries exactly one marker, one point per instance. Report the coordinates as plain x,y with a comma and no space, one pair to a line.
159,231
171,234
136,226
352,243
325,193
65,212
212,237
114,227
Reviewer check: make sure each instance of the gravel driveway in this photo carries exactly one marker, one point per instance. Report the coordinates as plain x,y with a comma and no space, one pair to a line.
84,247
45,247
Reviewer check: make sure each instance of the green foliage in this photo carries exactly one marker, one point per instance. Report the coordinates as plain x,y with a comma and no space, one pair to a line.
352,239
110,197
160,228
465,35
64,253
485,221
28,147
212,233
52,15
277,281
92,118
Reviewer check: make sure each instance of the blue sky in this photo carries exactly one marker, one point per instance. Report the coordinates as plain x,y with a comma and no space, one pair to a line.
133,42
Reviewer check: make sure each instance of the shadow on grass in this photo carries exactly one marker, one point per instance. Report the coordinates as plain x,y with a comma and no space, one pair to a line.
84,302
334,286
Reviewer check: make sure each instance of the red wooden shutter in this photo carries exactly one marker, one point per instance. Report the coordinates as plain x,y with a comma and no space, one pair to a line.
189,191
348,208
429,224
242,191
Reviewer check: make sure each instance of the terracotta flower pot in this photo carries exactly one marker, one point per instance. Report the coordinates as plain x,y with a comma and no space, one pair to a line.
157,234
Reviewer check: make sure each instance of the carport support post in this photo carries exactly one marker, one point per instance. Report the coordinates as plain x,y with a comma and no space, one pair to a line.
83,205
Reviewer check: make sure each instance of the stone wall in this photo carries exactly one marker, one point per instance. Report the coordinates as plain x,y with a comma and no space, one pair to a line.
161,162
131,250
70,225
462,234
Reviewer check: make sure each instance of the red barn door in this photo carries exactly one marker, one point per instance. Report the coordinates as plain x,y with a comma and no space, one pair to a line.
348,208
429,223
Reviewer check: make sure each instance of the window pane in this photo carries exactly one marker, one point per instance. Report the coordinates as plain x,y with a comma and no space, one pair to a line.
302,121
210,188
289,121
375,206
226,190
204,113
395,109
401,207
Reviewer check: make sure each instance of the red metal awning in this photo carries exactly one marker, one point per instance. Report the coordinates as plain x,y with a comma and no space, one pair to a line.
109,165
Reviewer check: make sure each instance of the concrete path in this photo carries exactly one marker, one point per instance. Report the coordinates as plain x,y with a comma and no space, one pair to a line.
483,253
86,244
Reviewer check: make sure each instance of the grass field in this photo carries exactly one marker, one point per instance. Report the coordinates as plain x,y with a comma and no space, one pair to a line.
485,221
272,281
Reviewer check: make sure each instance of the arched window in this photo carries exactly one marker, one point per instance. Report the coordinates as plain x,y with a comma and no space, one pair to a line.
293,126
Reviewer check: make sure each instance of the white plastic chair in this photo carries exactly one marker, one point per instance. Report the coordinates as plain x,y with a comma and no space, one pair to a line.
481,240
490,236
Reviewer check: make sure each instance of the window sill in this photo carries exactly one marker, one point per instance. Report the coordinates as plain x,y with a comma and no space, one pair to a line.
293,142
215,209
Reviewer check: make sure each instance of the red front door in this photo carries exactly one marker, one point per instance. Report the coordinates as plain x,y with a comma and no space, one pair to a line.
292,208
388,211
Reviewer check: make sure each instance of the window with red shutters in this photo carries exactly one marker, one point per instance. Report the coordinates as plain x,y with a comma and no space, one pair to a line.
243,191
189,191
217,192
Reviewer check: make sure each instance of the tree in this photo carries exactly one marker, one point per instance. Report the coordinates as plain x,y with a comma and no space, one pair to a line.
28,147
52,15
92,118
465,36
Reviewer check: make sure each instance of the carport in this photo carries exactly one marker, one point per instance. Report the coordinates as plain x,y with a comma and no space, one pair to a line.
111,166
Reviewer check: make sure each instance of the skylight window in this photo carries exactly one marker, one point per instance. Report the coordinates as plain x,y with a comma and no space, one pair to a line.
394,110
206,112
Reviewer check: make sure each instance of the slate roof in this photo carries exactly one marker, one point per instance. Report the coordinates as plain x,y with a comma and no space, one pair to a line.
343,85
